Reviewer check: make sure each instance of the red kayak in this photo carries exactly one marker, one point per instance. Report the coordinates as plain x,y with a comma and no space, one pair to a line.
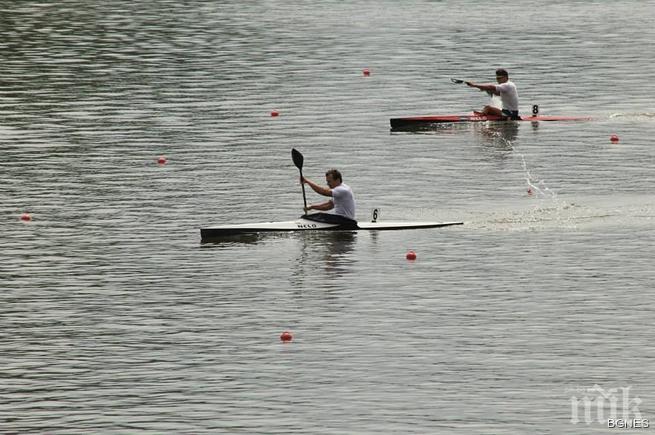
419,122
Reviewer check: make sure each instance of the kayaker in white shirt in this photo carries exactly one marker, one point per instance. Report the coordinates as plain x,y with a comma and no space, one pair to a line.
343,200
506,89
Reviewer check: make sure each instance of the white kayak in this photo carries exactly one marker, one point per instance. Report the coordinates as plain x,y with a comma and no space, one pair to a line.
303,224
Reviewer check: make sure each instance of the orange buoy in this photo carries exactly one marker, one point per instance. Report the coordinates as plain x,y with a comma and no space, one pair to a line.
286,336
411,255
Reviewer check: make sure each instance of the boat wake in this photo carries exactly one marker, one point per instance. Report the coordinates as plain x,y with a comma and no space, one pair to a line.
536,186
548,211
634,116
553,213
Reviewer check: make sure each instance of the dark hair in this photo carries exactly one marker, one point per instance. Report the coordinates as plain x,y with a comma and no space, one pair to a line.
334,174
501,72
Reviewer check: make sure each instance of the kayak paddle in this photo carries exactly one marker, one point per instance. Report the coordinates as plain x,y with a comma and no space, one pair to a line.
458,82
298,160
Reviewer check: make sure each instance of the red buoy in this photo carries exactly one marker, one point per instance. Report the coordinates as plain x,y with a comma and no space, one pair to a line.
286,336
162,160
275,113
366,72
614,138
25,217
411,255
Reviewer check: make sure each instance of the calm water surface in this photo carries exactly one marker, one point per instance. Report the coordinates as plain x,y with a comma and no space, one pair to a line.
115,319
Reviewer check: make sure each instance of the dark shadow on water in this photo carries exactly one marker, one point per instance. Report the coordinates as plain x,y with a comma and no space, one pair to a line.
437,128
499,134
335,237
240,239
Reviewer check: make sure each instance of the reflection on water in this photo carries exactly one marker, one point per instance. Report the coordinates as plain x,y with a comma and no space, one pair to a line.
327,251
500,134
336,253
497,139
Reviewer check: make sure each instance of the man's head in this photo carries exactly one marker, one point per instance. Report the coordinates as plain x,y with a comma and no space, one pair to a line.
501,75
333,178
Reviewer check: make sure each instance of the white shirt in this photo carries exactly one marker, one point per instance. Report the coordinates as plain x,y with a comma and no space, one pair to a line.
508,95
344,201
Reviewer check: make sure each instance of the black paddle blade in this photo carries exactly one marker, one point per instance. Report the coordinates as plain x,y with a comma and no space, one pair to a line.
298,159
458,81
